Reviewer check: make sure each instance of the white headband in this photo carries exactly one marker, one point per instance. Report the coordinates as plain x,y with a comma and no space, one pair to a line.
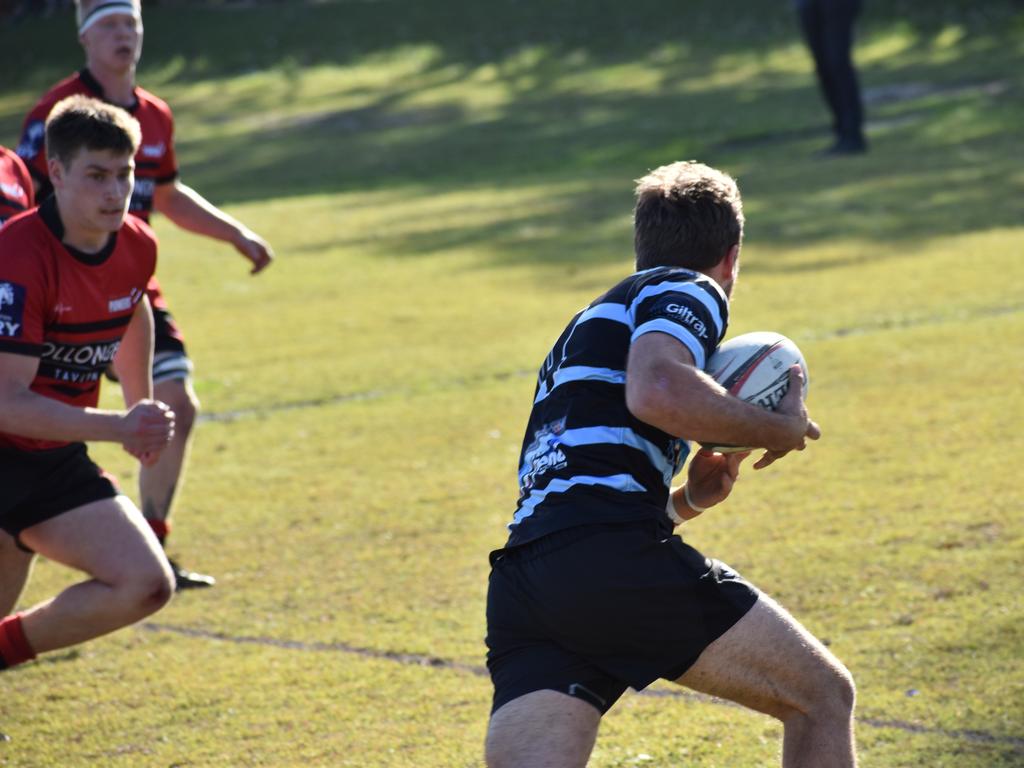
107,9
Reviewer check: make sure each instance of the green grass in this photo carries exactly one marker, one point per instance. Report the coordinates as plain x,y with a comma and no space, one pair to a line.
445,184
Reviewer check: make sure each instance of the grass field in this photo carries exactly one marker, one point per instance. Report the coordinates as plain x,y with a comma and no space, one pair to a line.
445,184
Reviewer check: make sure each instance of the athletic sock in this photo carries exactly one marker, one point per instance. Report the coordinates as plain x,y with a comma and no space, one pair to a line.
161,528
14,647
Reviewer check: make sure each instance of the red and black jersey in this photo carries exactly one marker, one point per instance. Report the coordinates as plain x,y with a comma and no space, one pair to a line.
155,162
16,192
67,308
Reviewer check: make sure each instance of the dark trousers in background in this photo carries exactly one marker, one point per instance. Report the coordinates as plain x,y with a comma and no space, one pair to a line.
828,29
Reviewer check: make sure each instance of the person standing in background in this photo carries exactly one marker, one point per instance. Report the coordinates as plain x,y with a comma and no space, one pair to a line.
827,27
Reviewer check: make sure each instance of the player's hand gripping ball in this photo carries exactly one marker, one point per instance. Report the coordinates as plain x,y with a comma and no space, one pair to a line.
755,368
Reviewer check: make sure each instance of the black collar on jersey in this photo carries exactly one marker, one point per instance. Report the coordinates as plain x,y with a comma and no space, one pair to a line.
89,81
51,218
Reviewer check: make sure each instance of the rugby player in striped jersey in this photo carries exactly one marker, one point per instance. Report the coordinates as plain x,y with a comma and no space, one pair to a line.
593,593
73,276
111,32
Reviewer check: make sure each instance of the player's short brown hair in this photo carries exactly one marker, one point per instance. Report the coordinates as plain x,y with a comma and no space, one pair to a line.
81,122
687,215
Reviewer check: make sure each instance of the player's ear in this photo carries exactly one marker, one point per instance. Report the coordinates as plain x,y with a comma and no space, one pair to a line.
732,259
55,170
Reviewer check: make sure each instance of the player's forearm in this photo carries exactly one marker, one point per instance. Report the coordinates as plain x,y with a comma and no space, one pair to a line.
684,401
190,210
28,414
134,360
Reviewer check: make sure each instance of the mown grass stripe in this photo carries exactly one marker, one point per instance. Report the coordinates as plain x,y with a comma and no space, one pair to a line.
884,325
478,670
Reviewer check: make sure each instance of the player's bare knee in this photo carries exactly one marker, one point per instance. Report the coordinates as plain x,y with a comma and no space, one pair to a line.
831,692
155,592
146,590
843,689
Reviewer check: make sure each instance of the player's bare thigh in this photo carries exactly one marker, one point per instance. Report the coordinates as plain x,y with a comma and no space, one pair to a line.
108,539
769,662
15,565
542,729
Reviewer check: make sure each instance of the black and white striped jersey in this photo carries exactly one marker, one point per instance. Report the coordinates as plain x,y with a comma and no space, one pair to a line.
585,458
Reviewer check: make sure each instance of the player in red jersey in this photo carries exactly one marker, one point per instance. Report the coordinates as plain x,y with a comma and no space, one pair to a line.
110,31
73,276
16,190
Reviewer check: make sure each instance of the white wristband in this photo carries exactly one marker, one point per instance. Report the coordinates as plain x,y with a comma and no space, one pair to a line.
670,510
689,501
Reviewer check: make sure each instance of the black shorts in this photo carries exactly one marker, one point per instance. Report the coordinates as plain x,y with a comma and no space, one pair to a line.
593,610
38,485
170,359
166,334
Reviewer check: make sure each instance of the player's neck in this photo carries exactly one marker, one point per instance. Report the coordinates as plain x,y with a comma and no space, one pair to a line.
81,236
118,85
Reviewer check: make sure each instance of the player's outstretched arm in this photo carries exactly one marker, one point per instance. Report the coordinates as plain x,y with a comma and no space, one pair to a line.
190,210
147,427
666,390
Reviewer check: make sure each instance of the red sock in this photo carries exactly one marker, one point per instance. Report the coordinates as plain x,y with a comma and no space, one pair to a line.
161,528
14,647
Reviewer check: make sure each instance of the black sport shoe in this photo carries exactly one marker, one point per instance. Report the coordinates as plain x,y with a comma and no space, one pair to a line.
186,579
845,147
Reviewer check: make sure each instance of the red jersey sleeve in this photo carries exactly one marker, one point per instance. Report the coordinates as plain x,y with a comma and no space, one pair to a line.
24,289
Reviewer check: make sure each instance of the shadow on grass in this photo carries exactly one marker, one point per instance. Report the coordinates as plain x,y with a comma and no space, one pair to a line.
938,166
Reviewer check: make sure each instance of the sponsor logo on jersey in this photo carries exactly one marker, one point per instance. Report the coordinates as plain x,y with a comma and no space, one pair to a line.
77,362
686,316
142,196
12,309
13,190
32,140
120,305
153,150
543,454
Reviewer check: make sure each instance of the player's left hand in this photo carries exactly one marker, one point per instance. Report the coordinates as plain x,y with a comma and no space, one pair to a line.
712,475
255,249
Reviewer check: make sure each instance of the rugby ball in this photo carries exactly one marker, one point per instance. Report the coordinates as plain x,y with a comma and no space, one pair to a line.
755,367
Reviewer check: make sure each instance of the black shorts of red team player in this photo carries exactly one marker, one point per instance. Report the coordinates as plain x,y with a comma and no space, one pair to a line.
170,359
166,336
39,485
590,611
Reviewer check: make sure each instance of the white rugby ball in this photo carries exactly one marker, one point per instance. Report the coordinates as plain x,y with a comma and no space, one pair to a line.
755,367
